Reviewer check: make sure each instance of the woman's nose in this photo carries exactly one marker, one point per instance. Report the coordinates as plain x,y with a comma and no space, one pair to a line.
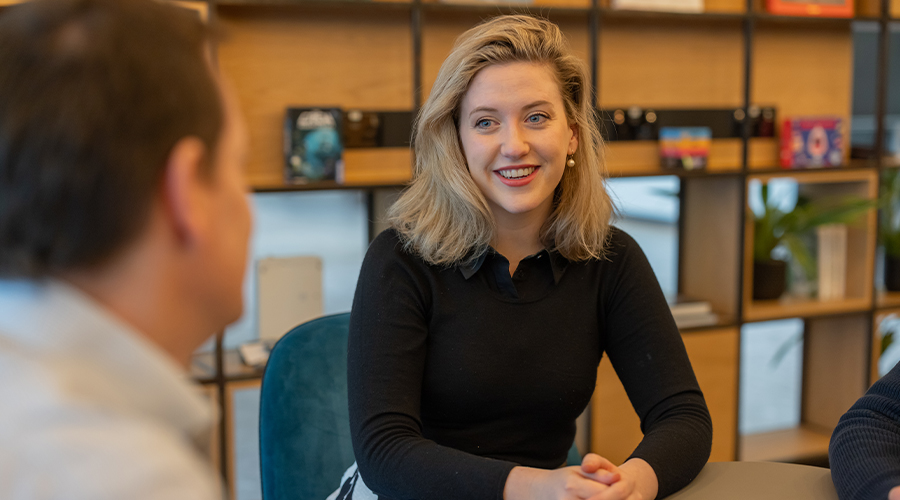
515,144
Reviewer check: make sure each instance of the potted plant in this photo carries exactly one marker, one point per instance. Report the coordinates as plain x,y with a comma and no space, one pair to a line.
775,227
890,228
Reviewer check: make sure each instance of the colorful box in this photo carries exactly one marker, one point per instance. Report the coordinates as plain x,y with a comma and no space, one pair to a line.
684,147
812,142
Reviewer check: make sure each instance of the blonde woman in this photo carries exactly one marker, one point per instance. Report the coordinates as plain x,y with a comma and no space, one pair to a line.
480,318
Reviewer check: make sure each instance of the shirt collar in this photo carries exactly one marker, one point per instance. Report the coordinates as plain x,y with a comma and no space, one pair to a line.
558,263
103,359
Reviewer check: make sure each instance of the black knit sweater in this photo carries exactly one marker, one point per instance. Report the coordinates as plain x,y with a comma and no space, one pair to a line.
865,447
458,374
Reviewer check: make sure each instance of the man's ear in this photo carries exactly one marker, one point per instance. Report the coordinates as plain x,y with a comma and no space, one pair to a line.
183,188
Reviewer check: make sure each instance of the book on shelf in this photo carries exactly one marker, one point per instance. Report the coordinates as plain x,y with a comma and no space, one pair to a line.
313,145
811,8
689,6
832,261
691,313
684,148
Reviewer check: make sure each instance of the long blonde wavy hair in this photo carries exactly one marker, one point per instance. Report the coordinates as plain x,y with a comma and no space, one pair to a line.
442,216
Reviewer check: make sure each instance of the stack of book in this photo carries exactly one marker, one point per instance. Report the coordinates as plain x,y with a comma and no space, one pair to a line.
690,313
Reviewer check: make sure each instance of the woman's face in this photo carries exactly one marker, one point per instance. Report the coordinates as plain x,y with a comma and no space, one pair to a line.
515,137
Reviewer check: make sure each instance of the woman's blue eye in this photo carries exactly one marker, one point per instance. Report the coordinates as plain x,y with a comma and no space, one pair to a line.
536,118
483,123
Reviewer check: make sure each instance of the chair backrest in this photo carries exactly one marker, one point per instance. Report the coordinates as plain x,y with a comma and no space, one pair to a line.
304,430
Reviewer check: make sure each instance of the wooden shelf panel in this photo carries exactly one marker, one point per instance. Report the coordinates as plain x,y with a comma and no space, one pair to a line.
729,12
673,65
789,307
537,7
713,353
322,186
626,158
441,28
279,57
804,70
711,7
362,168
867,176
885,299
785,445
835,367
710,241
262,4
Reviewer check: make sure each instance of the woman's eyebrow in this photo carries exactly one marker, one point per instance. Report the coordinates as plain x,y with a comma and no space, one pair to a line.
489,109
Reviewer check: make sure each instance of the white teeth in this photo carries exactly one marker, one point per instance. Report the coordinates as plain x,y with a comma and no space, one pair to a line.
517,173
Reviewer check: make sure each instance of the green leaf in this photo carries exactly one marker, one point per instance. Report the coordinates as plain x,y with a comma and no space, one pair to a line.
801,254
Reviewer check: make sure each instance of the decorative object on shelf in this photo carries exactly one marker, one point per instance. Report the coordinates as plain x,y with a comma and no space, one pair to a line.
811,8
769,279
889,230
832,261
762,121
684,147
812,142
659,5
313,146
377,129
289,292
774,227
636,123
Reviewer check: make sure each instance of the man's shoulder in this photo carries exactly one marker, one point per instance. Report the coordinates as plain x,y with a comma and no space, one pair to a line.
56,441
74,450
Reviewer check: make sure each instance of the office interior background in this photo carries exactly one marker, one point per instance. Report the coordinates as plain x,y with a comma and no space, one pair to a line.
776,373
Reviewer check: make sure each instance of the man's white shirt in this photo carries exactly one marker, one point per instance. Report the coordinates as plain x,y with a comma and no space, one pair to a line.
90,409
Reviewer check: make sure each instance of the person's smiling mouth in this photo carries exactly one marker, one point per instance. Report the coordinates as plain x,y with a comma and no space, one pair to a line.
517,175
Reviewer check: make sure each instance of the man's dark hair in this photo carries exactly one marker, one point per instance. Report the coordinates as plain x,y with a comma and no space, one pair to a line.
94,94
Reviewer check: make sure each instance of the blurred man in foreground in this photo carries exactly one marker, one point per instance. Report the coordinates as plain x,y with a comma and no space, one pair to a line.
123,237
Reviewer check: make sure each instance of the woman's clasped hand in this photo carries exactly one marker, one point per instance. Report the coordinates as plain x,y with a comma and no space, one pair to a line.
595,479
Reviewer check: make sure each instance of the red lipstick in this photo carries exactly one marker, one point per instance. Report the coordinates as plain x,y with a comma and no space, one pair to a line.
517,181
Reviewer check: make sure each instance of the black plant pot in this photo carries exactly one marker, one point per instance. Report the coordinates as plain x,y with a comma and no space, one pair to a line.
768,279
892,273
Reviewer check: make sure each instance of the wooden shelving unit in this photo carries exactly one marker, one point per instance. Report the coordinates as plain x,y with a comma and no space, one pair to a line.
384,55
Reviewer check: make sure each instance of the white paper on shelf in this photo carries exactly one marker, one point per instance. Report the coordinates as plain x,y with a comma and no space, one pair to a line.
289,292
832,261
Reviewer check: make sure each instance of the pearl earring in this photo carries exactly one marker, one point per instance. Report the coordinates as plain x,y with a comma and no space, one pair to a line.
570,162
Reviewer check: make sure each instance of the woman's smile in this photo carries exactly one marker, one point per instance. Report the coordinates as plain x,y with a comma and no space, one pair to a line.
517,175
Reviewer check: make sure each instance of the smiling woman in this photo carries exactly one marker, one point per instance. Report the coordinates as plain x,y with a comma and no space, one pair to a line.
481,316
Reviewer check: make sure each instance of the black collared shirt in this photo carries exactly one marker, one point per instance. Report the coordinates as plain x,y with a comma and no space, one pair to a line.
534,277
456,374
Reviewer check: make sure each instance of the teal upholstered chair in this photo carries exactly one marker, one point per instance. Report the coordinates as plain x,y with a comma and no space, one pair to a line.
304,429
